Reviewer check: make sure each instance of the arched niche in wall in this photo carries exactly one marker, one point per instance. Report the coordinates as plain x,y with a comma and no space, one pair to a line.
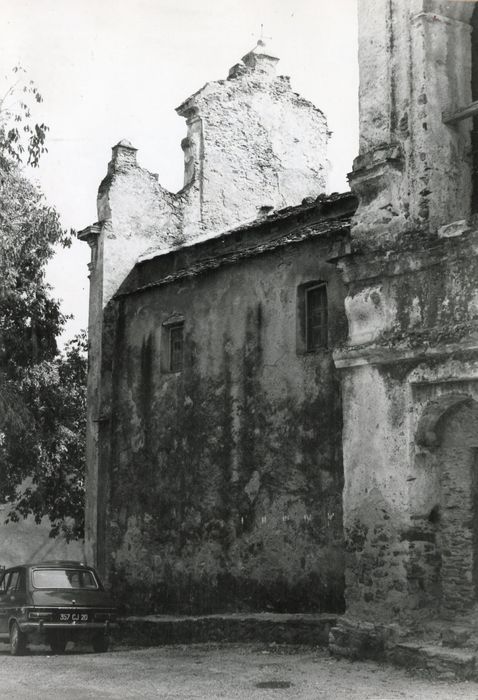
448,428
426,434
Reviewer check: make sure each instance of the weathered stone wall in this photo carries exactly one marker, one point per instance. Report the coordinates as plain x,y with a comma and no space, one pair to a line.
410,362
225,480
134,212
252,143
413,315
413,171
416,295
375,494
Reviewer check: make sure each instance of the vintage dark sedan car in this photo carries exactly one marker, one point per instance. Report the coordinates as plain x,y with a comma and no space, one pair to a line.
55,601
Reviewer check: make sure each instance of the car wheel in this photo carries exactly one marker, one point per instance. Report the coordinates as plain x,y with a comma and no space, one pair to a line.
101,643
58,645
18,640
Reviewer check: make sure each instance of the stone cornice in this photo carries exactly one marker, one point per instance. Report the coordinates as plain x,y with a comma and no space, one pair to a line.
345,358
90,234
368,266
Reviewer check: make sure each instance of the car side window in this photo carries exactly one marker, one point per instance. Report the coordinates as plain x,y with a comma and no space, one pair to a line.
14,582
20,585
3,583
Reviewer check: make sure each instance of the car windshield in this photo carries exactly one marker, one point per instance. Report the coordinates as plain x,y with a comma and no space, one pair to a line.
64,578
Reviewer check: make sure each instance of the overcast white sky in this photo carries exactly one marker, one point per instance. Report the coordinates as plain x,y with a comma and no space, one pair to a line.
113,69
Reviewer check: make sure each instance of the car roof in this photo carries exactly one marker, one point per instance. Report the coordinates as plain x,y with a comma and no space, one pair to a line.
54,563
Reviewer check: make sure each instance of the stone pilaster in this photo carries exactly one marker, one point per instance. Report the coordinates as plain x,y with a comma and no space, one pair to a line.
411,283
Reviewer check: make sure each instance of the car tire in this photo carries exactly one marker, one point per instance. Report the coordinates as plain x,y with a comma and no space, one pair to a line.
101,643
18,640
58,645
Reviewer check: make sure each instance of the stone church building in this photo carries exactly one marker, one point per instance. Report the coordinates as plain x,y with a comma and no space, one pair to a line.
283,394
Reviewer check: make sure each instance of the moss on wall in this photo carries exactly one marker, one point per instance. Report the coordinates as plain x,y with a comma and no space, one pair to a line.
226,478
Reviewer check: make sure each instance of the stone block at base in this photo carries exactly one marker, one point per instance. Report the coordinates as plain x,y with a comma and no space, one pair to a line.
360,640
443,662
154,630
436,649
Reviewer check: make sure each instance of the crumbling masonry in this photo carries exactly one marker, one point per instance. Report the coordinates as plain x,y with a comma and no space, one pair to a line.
260,467
214,448
409,368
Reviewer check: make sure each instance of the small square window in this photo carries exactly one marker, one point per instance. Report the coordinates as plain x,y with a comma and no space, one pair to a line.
176,347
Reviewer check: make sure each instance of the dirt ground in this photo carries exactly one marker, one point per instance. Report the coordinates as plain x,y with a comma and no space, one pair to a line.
218,671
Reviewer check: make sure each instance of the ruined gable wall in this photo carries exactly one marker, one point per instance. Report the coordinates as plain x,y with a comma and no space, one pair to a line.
135,213
251,143
256,143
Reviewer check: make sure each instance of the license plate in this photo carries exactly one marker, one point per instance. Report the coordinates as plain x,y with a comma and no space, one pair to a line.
73,617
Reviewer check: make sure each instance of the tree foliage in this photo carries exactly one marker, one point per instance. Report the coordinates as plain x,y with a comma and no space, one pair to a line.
42,391
20,137
43,445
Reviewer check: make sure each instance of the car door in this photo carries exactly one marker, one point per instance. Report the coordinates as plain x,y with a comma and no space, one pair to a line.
16,592
4,602
13,598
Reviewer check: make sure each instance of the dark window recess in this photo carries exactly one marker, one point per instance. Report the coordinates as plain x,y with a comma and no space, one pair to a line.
316,327
176,346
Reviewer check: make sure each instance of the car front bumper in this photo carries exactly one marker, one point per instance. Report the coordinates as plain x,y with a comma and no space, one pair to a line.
44,626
